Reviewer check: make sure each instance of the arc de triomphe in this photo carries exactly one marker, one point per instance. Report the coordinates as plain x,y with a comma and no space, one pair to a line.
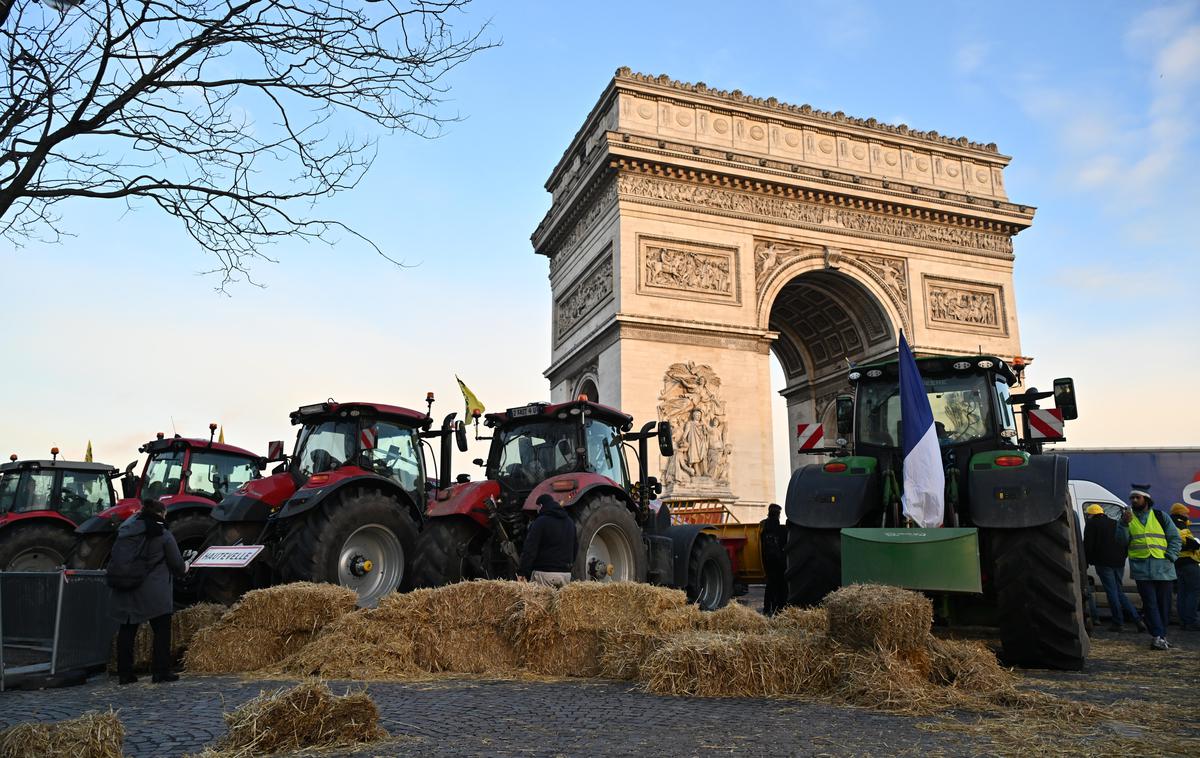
693,231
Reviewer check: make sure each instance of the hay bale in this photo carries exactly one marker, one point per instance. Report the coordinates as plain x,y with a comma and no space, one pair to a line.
796,619
622,653
92,735
620,607
307,715
184,625
476,649
360,645
968,666
864,616
883,680
706,664
223,649
734,617
290,608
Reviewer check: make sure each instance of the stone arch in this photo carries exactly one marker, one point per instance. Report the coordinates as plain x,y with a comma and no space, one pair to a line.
587,386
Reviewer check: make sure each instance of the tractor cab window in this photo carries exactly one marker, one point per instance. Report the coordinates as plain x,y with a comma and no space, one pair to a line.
395,455
325,446
163,474
26,491
604,451
1007,419
214,475
83,494
531,453
960,404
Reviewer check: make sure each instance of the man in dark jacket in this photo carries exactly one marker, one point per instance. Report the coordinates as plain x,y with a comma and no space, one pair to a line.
1106,552
548,554
154,599
773,538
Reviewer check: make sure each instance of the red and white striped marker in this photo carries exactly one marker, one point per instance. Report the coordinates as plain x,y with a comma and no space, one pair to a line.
368,437
809,436
274,450
1045,424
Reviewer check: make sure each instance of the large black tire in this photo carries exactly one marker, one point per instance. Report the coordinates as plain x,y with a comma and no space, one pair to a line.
190,531
710,574
35,547
449,551
330,543
814,564
610,535
225,586
1035,575
91,551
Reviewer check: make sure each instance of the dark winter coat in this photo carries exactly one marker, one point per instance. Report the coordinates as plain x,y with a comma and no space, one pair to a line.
550,543
1102,544
155,596
773,539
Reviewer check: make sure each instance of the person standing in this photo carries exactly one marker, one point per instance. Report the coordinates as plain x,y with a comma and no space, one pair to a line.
1187,568
1107,553
144,541
1154,545
773,539
551,543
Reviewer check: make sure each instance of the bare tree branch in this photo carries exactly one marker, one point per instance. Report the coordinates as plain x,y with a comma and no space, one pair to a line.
225,114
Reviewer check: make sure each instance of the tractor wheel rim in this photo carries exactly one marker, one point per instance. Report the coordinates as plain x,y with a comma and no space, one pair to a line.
36,559
377,544
610,547
710,585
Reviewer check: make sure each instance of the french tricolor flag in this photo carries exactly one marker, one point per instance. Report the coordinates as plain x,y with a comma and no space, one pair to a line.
924,479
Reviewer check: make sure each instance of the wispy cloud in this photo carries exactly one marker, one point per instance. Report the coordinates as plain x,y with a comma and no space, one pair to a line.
969,57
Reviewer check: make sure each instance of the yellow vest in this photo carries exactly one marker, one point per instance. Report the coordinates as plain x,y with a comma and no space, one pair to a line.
1186,534
1147,540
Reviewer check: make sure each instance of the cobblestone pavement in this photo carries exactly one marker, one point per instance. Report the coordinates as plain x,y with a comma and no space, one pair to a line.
466,717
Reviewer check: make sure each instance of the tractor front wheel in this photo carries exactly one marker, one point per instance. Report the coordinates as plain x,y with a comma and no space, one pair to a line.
37,547
364,542
448,551
710,574
610,543
814,564
1035,575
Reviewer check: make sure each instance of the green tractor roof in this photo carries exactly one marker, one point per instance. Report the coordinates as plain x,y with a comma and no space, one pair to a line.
932,365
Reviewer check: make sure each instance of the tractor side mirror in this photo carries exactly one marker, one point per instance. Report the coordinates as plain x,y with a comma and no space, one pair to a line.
460,436
845,416
129,486
666,441
653,486
478,461
1064,398
275,451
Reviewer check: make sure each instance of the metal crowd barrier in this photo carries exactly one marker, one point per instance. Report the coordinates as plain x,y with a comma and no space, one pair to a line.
52,623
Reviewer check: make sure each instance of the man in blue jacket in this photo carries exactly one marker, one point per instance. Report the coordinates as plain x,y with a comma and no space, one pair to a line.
1154,544
548,554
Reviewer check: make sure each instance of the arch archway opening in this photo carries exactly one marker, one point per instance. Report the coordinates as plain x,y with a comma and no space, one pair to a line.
588,389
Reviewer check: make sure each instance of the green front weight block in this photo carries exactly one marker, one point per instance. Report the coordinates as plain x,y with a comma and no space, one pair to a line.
941,560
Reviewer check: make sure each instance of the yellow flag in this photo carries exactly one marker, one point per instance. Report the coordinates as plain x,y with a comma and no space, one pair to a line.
221,436
87,457
473,405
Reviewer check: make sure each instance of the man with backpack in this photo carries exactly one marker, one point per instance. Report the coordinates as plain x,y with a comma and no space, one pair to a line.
144,561
1154,544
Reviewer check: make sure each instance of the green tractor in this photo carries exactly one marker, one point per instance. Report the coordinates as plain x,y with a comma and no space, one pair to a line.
1009,552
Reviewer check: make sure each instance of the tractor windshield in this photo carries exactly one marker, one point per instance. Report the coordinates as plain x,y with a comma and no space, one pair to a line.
83,494
962,411
527,454
22,491
214,475
163,474
604,452
325,446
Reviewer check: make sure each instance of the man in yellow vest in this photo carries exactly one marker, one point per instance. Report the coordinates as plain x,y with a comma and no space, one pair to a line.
1187,568
1154,545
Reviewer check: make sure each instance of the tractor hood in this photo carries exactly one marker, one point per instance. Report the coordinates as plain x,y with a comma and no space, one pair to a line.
465,499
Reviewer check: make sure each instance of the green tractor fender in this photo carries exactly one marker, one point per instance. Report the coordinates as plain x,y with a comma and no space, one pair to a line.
1016,496
820,497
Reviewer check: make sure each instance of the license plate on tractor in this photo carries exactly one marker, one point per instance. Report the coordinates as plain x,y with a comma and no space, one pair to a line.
233,556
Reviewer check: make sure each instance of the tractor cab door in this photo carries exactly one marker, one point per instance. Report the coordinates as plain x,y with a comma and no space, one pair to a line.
605,454
83,494
394,453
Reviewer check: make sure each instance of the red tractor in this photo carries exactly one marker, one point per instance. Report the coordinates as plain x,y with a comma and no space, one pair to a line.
40,504
189,476
574,451
345,508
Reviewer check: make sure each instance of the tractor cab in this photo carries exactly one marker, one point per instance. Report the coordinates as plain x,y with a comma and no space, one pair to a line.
179,467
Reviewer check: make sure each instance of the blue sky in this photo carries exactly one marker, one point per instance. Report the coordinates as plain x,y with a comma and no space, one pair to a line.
112,334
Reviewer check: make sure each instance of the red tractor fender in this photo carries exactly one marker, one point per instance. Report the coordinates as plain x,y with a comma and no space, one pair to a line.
464,499
54,517
319,487
569,489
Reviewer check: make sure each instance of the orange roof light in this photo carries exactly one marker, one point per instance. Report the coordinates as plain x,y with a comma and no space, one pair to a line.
53,451
212,427
159,435
582,397
12,457
429,396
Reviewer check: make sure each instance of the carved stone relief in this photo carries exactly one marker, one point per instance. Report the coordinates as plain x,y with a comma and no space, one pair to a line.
597,207
836,219
690,400
974,306
689,270
584,296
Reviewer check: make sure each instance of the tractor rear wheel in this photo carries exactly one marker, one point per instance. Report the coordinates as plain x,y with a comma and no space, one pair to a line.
814,564
1035,575
610,542
36,547
710,574
91,551
364,542
189,530
448,551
